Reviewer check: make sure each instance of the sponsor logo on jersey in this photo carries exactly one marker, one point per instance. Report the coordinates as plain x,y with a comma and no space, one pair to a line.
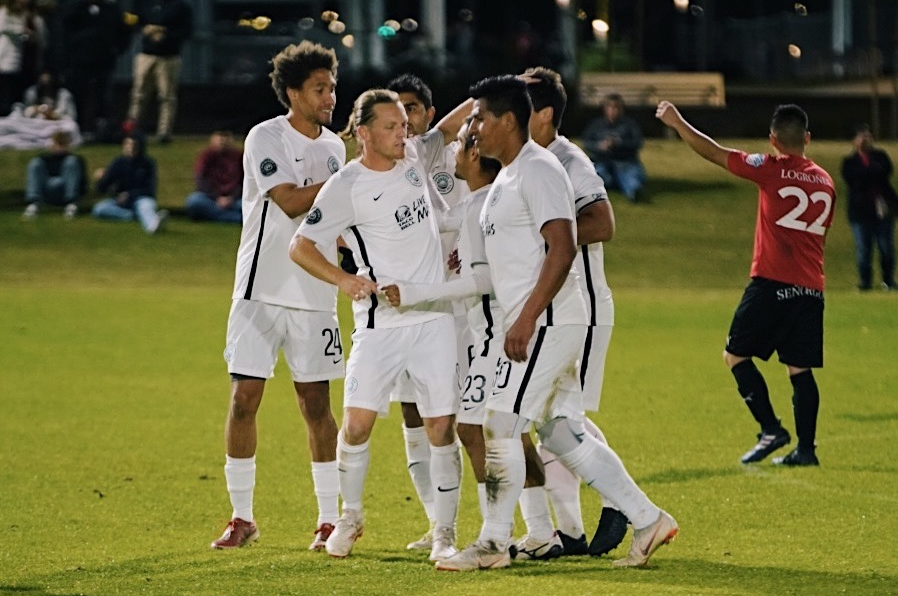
755,159
333,164
444,182
495,193
404,217
268,167
413,177
314,216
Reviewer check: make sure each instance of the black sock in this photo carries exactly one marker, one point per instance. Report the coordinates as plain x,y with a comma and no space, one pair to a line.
753,390
805,403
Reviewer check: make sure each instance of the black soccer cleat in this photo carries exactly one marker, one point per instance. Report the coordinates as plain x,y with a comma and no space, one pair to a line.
797,457
573,547
610,532
767,444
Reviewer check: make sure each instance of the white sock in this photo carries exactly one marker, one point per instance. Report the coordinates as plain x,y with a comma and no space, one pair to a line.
326,480
481,498
240,474
535,511
563,490
417,454
352,461
602,469
593,429
505,473
445,470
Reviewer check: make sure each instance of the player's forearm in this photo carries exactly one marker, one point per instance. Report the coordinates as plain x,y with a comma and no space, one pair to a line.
595,224
477,283
552,275
451,123
305,253
701,143
295,200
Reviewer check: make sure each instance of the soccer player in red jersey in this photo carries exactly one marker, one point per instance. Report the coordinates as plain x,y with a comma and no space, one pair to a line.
782,307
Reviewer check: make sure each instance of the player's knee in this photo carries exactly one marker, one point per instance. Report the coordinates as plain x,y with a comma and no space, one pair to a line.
558,437
503,425
470,435
441,430
731,360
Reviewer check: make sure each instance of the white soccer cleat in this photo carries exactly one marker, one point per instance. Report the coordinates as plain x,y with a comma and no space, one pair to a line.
480,555
347,530
70,211
425,542
443,544
30,212
647,540
529,548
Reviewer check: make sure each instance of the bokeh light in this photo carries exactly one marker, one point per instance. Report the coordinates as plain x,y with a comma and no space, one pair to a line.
336,27
409,25
801,9
696,10
681,5
329,16
794,51
306,23
466,15
581,15
348,41
393,24
386,32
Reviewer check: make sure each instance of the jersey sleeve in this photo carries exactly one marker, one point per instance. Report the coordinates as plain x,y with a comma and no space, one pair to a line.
430,147
748,165
547,192
331,213
266,154
589,188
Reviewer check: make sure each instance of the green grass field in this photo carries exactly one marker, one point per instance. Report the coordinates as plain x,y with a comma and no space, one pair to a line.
114,396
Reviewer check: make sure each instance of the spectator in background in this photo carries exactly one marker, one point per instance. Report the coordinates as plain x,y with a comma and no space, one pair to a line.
131,178
57,177
22,41
165,26
613,143
93,35
48,100
219,182
872,206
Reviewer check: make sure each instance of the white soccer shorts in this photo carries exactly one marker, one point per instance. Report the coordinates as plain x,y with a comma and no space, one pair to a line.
592,365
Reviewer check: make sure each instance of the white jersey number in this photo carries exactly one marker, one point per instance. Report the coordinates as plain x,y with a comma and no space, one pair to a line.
791,221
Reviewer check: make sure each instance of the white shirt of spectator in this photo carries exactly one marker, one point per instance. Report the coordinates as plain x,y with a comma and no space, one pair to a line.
275,153
530,191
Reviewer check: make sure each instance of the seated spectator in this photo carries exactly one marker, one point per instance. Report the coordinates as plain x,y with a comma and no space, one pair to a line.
48,100
613,143
131,178
219,182
57,177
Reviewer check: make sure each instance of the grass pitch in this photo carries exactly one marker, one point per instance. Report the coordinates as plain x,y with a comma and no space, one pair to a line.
115,393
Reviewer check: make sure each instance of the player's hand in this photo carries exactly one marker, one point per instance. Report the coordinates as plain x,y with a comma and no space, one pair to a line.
392,294
668,113
454,263
517,339
356,287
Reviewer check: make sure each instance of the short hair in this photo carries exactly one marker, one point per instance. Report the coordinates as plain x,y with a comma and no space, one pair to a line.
363,109
862,127
790,125
505,93
547,92
409,83
295,63
488,165
614,97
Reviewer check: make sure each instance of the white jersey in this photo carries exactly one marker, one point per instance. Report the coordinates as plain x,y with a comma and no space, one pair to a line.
588,190
482,312
530,191
388,220
276,153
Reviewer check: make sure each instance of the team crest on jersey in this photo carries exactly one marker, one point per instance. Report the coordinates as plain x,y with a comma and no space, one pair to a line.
314,216
351,385
413,177
495,193
444,182
268,167
333,164
755,159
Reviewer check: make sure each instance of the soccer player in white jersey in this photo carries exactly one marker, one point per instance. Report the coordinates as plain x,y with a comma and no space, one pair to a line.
417,99
381,204
595,225
276,305
473,289
528,224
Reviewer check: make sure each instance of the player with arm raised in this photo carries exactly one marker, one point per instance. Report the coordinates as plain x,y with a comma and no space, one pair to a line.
782,306
276,305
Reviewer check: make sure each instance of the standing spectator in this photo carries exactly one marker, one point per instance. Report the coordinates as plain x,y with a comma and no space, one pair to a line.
872,205
131,178
48,100
57,177
22,41
782,307
165,26
613,143
219,182
93,34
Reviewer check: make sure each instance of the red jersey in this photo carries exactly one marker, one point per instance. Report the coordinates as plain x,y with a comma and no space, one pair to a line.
796,198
